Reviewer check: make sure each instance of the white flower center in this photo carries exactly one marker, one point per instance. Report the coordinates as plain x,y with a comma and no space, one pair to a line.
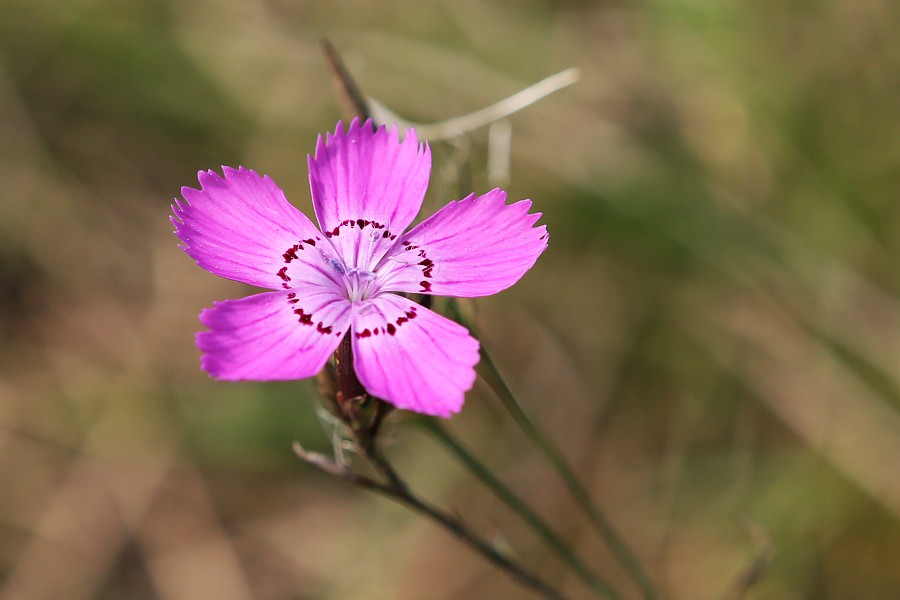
360,285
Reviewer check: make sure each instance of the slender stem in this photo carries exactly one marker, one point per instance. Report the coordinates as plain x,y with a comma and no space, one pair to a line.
626,557
402,494
363,415
464,124
349,93
516,504
380,462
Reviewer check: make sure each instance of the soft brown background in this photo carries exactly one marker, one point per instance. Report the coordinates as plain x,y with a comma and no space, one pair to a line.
713,336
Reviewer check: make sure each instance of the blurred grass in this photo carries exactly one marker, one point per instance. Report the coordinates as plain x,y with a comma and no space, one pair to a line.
713,336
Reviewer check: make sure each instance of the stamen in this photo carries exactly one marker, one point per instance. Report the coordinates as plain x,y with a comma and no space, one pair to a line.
360,285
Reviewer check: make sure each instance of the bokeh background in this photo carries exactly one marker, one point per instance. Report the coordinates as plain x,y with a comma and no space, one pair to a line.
713,336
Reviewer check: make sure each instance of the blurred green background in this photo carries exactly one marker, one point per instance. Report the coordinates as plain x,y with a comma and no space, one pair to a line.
713,336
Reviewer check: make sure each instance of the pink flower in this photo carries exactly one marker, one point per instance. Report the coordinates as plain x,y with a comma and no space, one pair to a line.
367,187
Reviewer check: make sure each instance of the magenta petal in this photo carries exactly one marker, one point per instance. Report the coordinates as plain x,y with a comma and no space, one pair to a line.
274,335
472,247
412,357
242,227
367,187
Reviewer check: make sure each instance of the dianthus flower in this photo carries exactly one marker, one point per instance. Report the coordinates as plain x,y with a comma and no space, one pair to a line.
367,186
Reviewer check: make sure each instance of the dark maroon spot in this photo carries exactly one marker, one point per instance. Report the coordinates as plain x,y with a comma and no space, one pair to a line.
427,272
364,333
292,295
377,225
282,272
285,286
305,319
391,329
321,329
336,232
426,263
426,286
361,223
291,253
328,234
310,241
401,321
386,234
411,314
393,237
375,332
294,300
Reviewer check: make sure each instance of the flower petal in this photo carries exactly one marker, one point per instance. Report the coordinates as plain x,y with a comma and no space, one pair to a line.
273,336
241,227
472,247
412,357
367,187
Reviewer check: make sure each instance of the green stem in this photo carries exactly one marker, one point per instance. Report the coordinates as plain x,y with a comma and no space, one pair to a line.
517,505
397,490
626,557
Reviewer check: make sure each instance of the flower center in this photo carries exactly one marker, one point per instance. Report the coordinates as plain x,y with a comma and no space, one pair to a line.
360,285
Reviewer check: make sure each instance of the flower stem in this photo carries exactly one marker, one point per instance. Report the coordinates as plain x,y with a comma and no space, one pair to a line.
626,557
353,100
397,490
363,416
516,504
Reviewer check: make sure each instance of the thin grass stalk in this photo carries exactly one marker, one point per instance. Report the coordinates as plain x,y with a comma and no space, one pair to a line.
513,501
396,489
620,549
